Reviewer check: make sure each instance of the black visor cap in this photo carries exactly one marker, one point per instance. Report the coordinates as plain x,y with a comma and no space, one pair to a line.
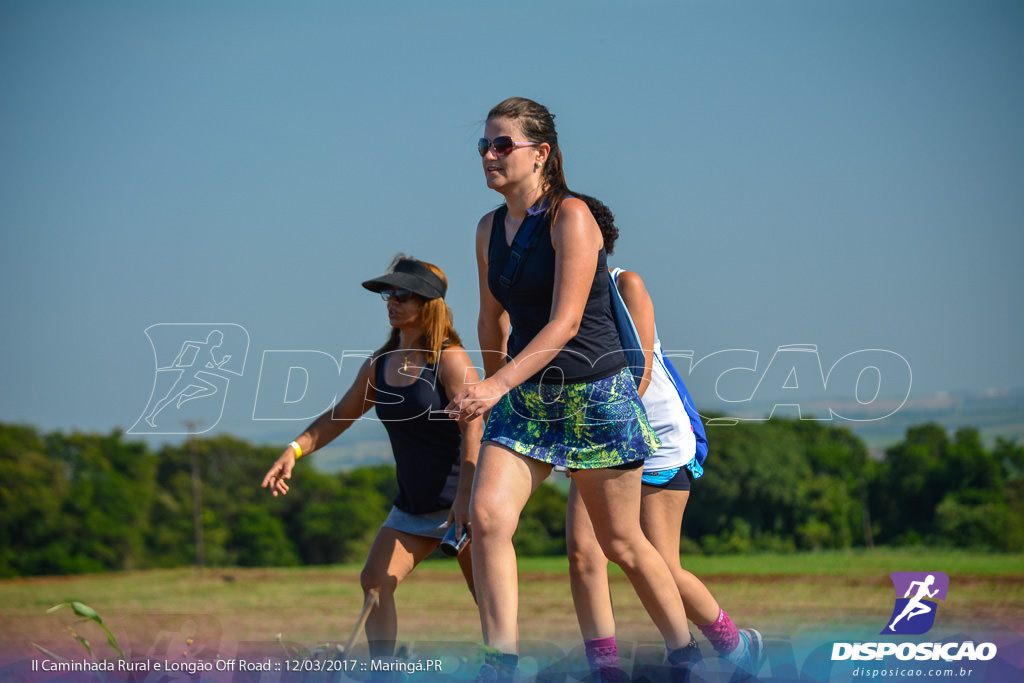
411,275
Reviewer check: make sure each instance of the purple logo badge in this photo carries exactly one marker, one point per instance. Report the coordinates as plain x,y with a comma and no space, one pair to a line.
916,593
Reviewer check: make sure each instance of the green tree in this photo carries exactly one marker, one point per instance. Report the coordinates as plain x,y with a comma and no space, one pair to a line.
541,529
941,491
975,520
911,485
778,485
749,489
259,539
336,518
230,472
32,486
105,508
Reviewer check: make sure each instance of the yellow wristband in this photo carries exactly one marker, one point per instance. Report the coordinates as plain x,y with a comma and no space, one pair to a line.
295,447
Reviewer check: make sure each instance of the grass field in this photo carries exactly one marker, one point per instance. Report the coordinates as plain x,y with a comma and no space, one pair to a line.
222,608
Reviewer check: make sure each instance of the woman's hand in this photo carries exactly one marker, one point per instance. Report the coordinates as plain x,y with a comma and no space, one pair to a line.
476,399
357,400
280,472
459,514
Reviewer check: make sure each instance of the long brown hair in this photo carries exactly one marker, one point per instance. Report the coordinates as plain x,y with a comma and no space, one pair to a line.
538,125
438,322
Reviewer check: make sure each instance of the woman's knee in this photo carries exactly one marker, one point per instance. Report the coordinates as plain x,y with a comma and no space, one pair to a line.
372,578
586,559
491,516
622,551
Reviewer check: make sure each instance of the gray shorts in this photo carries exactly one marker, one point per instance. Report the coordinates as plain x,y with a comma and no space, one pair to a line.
429,524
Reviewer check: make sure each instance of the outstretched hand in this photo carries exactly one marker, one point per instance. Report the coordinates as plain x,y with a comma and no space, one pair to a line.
281,471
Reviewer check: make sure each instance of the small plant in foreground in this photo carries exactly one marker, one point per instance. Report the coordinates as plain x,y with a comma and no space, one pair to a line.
88,614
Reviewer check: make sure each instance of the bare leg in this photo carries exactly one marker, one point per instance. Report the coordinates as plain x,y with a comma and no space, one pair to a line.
588,572
393,556
612,497
503,483
591,595
466,565
661,516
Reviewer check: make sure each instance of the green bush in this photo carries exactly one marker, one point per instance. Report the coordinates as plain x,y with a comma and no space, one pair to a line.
72,503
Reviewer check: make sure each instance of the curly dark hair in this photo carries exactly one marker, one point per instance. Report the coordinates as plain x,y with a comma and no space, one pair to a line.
605,220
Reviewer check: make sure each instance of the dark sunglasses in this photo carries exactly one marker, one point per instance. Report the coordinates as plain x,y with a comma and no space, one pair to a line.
400,295
502,145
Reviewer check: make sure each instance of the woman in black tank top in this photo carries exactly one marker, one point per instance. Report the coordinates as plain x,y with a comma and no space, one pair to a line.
563,398
408,381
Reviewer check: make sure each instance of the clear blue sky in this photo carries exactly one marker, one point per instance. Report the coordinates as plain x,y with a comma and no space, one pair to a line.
847,174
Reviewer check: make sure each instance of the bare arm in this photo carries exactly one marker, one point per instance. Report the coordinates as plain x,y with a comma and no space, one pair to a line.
641,310
456,372
577,241
492,323
356,401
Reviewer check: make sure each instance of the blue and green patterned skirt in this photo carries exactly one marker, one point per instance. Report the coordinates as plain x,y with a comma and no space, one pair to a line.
578,426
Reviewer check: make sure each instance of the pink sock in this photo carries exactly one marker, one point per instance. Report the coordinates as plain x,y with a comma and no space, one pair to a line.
603,657
721,633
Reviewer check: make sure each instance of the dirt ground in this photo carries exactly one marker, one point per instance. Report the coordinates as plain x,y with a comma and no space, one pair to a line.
180,613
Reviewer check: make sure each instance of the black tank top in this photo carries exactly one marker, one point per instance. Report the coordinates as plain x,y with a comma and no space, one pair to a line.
426,447
595,352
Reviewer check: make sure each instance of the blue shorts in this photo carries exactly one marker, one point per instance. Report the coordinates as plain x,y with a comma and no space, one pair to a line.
676,479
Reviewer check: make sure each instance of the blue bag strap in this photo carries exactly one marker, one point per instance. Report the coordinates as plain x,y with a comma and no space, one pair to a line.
691,412
627,334
525,240
629,337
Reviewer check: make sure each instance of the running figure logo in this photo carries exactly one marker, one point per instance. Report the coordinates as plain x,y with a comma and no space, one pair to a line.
914,613
194,365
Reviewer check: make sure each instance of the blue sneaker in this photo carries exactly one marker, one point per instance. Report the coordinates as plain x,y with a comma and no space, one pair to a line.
486,674
748,656
682,661
489,673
